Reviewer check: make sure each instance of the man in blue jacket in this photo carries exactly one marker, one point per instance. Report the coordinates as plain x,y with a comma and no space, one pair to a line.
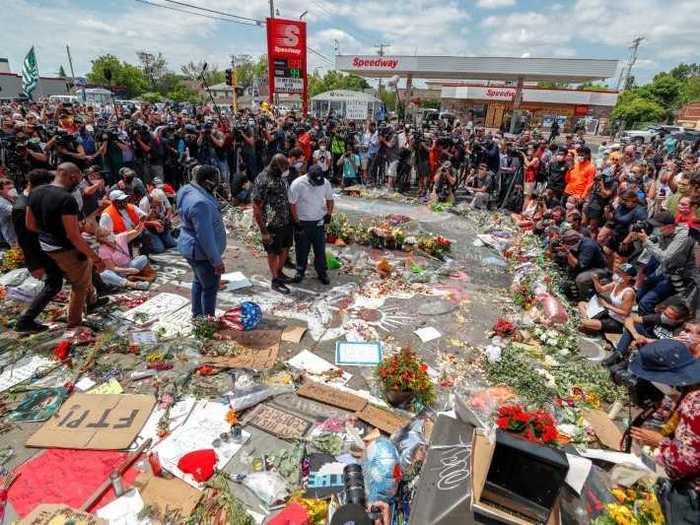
202,238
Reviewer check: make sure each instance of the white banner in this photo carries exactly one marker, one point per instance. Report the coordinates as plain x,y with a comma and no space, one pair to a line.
289,85
356,110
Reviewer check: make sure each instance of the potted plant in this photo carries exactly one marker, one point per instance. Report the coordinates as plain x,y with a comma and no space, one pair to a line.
405,380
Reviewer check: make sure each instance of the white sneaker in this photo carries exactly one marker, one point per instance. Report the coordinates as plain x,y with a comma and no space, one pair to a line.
141,285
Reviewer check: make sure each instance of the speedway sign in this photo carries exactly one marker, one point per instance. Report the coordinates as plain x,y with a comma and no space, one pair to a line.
286,56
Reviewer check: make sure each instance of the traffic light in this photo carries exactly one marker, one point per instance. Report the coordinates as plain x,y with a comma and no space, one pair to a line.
239,91
229,77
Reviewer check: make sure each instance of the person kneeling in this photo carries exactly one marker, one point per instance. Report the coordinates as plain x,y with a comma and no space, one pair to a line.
621,292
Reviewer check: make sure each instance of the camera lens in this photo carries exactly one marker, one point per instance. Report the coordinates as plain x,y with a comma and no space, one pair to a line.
354,485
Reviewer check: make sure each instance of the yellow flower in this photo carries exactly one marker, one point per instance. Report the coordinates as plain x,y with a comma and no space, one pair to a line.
231,417
622,515
619,494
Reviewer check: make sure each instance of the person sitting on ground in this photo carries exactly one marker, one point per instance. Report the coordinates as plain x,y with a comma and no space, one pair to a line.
159,220
675,368
533,211
484,183
621,293
583,258
131,185
444,184
114,251
644,329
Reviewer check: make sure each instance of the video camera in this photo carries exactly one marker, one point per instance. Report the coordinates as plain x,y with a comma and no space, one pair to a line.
354,509
642,393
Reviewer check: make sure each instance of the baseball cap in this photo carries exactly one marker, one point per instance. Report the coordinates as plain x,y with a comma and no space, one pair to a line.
628,269
662,219
117,195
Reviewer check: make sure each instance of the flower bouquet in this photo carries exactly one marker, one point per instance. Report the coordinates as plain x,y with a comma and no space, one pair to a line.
335,227
536,427
435,246
404,377
13,259
635,506
503,327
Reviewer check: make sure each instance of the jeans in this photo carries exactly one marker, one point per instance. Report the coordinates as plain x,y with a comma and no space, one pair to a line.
306,235
205,285
656,288
53,282
155,243
625,341
139,262
113,279
77,269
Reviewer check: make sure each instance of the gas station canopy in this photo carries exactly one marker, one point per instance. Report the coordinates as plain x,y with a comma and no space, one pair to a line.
573,70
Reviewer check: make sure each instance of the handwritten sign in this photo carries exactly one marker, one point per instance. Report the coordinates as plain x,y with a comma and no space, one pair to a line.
155,308
278,422
444,489
99,422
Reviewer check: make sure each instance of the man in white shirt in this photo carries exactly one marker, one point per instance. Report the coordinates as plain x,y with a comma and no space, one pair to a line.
311,201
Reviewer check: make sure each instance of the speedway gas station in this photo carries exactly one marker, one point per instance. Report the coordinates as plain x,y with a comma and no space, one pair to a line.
488,90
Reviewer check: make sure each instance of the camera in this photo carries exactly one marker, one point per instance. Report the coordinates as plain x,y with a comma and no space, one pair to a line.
641,226
642,393
354,509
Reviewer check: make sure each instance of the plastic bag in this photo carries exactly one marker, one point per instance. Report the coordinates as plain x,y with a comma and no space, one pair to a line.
554,312
269,486
240,399
332,262
14,278
382,470
27,291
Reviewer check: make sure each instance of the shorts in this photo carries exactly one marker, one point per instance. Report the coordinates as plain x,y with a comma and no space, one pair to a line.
282,239
423,169
608,324
364,161
391,170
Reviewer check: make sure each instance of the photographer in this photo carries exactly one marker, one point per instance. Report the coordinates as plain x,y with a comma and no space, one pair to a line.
531,164
323,158
112,149
673,367
483,183
444,184
556,174
644,329
630,215
389,143
349,162
421,152
67,148
8,196
671,252
211,144
601,195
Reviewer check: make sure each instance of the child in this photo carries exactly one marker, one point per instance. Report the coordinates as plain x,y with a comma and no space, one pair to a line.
685,213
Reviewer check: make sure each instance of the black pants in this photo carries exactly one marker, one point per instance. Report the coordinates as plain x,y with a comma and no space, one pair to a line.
306,235
53,282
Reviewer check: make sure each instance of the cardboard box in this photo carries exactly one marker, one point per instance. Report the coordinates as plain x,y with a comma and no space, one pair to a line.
482,452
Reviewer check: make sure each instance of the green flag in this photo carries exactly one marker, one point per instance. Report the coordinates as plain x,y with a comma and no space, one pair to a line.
30,73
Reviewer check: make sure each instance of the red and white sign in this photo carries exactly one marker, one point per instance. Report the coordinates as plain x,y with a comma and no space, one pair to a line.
375,63
286,58
493,93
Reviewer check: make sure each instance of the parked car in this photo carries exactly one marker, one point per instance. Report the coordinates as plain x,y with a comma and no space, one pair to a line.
689,135
640,136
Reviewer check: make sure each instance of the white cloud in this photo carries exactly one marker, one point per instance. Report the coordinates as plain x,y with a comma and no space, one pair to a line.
494,4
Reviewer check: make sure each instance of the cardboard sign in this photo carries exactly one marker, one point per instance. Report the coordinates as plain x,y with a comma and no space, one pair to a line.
256,359
253,338
168,494
322,483
293,334
381,419
98,422
54,514
155,308
278,422
331,396
375,416
605,430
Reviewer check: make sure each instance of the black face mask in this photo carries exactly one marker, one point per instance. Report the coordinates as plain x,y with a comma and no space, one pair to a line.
208,185
275,172
316,180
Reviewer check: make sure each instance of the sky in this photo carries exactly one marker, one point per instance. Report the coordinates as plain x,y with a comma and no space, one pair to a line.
518,28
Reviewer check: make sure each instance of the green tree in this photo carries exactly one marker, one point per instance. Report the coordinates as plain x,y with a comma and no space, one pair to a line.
122,74
152,97
182,93
550,84
664,89
594,86
193,71
691,90
685,72
335,80
632,109
432,103
154,67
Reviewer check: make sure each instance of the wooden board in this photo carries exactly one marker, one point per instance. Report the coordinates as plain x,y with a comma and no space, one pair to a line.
331,396
277,422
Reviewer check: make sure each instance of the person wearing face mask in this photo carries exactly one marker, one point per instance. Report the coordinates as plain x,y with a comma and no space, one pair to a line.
8,195
580,177
674,368
272,215
311,205
671,269
629,212
556,173
583,258
53,214
296,164
323,158
644,329
202,239
618,308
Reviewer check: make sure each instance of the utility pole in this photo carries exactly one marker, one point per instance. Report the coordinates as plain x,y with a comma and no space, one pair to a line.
272,8
380,51
234,84
72,73
634,54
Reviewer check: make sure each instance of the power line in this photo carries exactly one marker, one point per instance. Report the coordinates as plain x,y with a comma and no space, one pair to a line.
198,14
318,53
213,11
347,30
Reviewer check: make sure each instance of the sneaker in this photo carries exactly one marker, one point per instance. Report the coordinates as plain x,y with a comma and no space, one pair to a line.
324,279
101,301
612,360
297,278
140,285
280,287
285,279
24,327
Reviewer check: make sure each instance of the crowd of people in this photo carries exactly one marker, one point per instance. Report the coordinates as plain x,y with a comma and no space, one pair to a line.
88,194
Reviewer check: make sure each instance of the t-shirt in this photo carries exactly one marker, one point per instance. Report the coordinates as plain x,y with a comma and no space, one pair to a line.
310,200
49,204
323,159
350,166
272,192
